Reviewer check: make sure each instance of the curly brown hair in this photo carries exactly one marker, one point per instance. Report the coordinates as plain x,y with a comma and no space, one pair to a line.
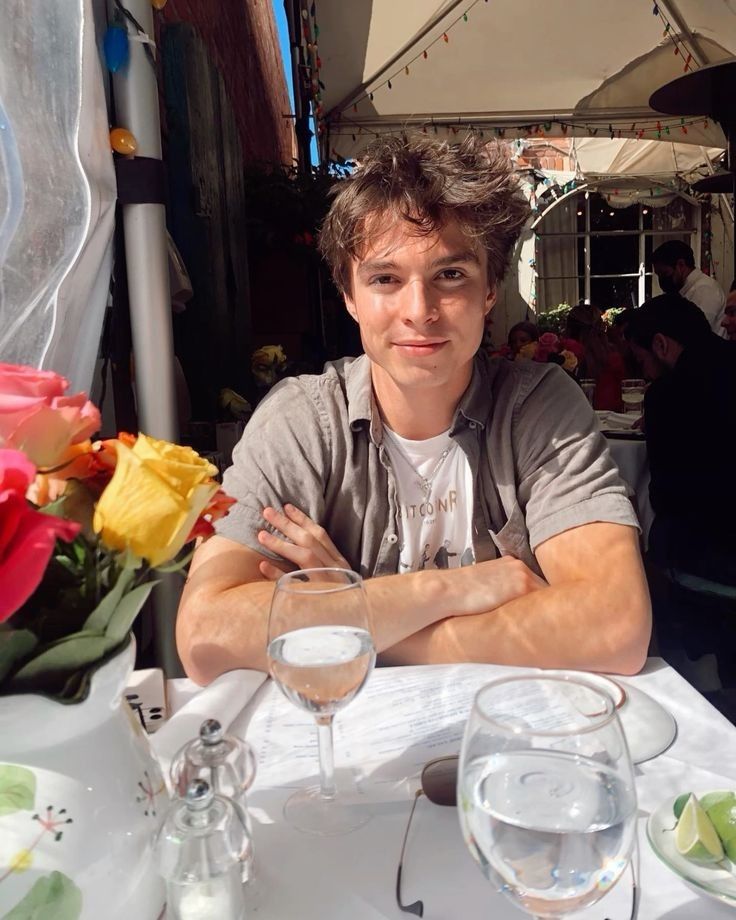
426,183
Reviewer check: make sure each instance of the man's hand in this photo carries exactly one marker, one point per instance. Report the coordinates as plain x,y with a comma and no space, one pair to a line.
308,545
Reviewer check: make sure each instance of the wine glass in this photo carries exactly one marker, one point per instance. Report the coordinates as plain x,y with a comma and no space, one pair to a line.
546,792
632,394
320,653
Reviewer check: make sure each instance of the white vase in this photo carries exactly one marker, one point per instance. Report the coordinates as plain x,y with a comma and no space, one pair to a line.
81,798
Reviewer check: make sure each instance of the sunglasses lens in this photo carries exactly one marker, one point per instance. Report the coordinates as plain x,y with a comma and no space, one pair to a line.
439,781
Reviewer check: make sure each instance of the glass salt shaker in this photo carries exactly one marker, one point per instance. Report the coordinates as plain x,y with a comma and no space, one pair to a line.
199,849
227,764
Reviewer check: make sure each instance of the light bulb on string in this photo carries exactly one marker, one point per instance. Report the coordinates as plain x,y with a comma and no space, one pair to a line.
123,141
116,47
158,4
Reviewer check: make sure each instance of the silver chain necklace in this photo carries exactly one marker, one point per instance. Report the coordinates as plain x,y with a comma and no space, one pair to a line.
424,483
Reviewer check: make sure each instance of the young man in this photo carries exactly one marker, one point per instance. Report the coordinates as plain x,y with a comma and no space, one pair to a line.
694,374
423,450
674,265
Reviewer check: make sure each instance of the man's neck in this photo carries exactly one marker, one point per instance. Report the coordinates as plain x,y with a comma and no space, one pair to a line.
417,413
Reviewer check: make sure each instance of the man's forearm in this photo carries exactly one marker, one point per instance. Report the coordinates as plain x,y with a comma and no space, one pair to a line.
578,625
223,624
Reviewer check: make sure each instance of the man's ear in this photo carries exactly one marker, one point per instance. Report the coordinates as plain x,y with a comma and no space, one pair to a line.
491,298
660,345
350,307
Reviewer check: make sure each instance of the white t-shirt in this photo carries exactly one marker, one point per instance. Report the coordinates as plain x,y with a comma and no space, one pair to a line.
435,530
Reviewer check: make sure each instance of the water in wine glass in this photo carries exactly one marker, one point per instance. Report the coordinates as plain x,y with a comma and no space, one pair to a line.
551,829
321,668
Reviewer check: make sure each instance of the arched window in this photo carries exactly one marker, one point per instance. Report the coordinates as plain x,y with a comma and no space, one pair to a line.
598,245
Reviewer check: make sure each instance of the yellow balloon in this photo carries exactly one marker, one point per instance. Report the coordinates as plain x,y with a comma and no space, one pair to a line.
158,4
122,141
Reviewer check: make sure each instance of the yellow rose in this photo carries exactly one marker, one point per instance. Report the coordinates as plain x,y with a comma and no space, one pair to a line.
154,498
570,362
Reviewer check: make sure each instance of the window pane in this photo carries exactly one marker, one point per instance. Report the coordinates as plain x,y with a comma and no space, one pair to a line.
613,255
614,292
604,217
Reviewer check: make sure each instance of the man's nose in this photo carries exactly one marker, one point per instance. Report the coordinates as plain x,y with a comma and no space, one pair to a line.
419,304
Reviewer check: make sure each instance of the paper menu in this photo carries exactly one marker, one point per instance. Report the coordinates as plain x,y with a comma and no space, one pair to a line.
402,718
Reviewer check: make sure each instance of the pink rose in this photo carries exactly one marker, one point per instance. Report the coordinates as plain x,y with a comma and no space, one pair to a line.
548,341
27,536
37,418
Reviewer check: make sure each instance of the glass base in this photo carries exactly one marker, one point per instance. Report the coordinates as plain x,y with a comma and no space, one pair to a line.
307,811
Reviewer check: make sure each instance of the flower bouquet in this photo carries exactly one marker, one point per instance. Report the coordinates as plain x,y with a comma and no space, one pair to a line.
551,348
84,528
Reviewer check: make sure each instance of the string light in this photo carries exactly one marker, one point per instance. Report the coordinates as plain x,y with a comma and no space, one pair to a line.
123,141
116,47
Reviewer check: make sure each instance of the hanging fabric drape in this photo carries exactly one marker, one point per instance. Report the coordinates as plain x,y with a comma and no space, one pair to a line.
57,188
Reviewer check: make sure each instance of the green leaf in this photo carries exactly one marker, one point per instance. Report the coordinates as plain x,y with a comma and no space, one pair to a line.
53,897
15,645
56,509
17,789
67,654
121,620
99,618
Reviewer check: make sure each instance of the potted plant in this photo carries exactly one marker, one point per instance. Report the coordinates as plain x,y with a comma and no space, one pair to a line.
84,528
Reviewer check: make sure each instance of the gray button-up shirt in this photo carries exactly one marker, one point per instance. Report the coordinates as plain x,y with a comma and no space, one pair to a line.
540,465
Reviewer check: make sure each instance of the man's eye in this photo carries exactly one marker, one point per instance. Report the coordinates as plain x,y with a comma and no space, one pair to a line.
383,279
451,274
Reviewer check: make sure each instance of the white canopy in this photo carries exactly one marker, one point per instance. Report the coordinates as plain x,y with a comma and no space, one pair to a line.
585,67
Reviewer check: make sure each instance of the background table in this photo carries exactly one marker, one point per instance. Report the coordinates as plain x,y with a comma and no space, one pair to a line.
353,876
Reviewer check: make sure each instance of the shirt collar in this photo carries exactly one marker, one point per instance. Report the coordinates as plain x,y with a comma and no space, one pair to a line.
695,275
474,405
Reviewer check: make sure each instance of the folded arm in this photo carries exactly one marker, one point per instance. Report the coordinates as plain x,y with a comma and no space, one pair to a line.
594,615
223,616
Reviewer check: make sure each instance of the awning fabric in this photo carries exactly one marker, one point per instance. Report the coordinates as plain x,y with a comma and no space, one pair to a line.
509,67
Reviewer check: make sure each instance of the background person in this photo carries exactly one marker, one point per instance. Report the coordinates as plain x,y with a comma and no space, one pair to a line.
600,362
423,440
729,314
674,265
522,334
689,420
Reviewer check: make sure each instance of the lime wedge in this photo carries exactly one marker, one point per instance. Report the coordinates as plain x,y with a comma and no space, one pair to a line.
695,836
722,814
680,804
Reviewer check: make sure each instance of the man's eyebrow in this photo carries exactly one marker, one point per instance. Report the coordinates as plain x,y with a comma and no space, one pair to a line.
376,265
464,255
455,258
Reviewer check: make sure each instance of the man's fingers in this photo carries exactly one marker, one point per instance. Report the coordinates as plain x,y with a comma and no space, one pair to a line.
304,557
271,571
318,532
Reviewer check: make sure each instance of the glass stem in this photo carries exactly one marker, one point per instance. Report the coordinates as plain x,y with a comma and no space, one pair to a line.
327,786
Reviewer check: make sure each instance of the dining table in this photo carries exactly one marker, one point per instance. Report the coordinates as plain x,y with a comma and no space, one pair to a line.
403,718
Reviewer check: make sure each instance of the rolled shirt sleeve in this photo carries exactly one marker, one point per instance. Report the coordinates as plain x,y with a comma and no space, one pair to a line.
566,475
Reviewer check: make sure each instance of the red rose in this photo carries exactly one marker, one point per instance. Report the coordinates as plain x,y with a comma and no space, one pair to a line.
27,536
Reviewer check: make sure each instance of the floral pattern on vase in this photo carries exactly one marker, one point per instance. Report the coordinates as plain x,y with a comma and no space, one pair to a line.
81,796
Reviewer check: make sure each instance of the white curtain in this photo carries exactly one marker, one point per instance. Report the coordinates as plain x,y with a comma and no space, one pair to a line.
57,188
557,257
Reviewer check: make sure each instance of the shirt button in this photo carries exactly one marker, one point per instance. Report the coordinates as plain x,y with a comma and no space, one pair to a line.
472,425
392,538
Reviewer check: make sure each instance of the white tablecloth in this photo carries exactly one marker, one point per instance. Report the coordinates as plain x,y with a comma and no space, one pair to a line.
630,455
353,877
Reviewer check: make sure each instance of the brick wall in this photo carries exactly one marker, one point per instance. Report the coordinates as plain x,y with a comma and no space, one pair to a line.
242,39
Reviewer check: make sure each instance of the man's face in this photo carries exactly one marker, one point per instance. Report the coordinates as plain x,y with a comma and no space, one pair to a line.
420,302
671,277
649,364
729,317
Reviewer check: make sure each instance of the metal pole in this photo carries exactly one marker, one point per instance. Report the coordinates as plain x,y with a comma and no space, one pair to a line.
144,225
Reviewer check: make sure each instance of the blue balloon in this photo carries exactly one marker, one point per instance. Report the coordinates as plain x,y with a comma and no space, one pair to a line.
116,48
